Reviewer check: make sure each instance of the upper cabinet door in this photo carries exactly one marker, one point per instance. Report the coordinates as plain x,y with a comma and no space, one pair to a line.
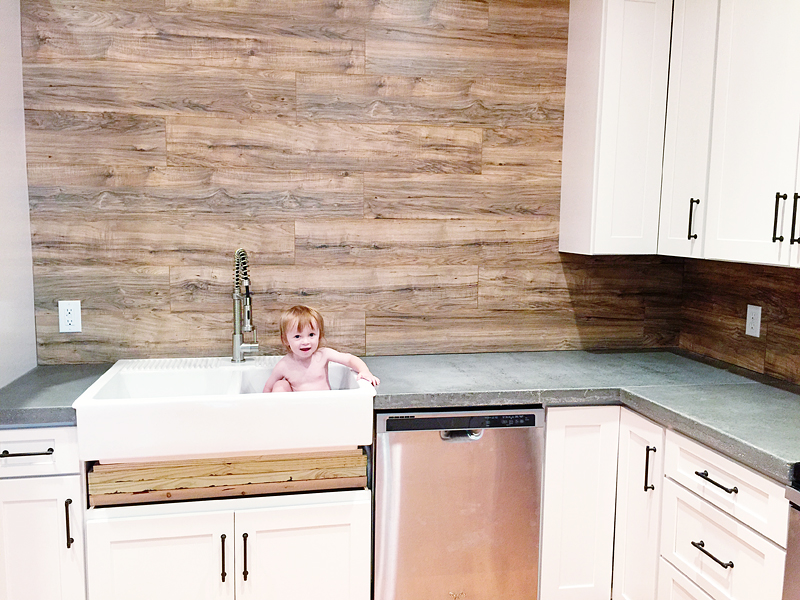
755,130
617,66
684,197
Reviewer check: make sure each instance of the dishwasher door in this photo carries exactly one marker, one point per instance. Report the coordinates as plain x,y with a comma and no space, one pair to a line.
457,505
791,582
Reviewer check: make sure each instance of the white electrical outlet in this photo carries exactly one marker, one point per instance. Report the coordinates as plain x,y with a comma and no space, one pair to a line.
753,326
69,315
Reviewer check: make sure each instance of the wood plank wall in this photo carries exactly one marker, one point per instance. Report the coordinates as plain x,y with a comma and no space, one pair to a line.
395,164
716,295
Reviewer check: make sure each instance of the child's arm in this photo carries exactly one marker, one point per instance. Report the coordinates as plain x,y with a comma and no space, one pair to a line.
355,363
274,377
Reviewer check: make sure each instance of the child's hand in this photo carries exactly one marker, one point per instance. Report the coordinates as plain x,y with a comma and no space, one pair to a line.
367,376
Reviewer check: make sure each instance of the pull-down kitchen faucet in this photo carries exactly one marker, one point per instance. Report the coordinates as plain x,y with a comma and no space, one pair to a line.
242,308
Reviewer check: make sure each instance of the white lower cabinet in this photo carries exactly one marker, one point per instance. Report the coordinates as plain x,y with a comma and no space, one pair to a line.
578,504
41,538
640,481
277,547
674,585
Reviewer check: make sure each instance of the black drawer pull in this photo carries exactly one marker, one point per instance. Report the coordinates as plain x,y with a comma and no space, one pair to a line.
778,198
702,547
70,539
244,545
222,540
704,475
692,202
793,239
647,452
7,454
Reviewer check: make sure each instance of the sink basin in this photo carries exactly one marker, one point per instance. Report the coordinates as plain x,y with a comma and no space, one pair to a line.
163,409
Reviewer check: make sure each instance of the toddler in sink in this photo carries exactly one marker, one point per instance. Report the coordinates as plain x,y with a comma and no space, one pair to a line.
305,367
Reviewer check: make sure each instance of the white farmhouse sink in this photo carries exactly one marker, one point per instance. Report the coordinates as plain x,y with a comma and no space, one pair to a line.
161,409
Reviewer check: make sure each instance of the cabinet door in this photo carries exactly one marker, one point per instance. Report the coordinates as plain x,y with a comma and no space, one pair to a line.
36,560
688,130
674,585
755,131
160,557
580,477
640,478
315,550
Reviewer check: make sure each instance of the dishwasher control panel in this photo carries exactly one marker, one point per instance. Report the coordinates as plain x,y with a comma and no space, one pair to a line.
532,417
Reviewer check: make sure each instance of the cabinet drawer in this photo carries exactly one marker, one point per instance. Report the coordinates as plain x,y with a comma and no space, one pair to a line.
758,501
38,451
674,585
755,565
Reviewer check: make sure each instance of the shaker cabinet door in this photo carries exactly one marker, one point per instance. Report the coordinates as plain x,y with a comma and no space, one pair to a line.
755,130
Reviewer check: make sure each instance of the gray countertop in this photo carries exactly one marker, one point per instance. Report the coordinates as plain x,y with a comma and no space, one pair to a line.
751,418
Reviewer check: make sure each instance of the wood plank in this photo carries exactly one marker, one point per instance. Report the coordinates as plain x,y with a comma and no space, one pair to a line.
92,192
373,289
254,143
548,18
169,240
500,331
533,151
91,30
158,89
145,333
64,137
281,487
435,196
421,52
102,288
418,242
396,99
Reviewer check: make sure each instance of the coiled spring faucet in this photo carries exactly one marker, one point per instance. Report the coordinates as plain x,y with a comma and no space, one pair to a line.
242,309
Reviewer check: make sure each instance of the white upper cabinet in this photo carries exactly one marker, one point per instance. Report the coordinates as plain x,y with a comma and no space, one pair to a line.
755,132
617,67
684,191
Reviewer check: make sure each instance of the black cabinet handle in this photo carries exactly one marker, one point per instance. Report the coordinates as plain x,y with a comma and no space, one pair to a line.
793,239
778,198
222,540
692,202
702,547
70,539
704,475
647,452
7,454
244,544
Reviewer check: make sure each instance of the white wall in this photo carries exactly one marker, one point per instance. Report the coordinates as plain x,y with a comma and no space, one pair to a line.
17,326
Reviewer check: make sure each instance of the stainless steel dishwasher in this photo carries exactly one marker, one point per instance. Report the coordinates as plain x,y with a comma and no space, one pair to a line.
457,504
791,581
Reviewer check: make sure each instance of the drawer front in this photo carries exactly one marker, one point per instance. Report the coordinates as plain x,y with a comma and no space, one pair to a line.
38,451
674,585
757,501
747,567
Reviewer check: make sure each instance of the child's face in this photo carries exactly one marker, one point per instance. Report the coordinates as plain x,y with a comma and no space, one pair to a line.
303,343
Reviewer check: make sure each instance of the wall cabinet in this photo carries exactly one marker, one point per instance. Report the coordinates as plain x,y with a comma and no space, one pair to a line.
578,504
687,138
280,547
617,66
640,479
41,516
756,124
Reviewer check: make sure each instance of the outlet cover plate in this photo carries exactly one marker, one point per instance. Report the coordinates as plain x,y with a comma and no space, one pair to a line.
753,326
69,316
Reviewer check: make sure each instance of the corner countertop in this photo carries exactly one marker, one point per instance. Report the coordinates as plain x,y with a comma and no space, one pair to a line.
753,419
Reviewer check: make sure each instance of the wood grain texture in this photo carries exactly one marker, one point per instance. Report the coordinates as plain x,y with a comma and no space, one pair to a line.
158,89
125,192
213,142
70,138
548,18
418,242
437,100
423,196
383,289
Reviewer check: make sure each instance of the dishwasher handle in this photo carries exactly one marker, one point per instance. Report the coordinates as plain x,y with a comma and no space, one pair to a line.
461,435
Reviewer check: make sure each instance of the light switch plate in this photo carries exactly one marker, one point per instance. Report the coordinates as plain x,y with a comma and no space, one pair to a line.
69,316
753,326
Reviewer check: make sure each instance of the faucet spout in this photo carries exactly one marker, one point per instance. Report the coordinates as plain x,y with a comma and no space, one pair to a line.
242,309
